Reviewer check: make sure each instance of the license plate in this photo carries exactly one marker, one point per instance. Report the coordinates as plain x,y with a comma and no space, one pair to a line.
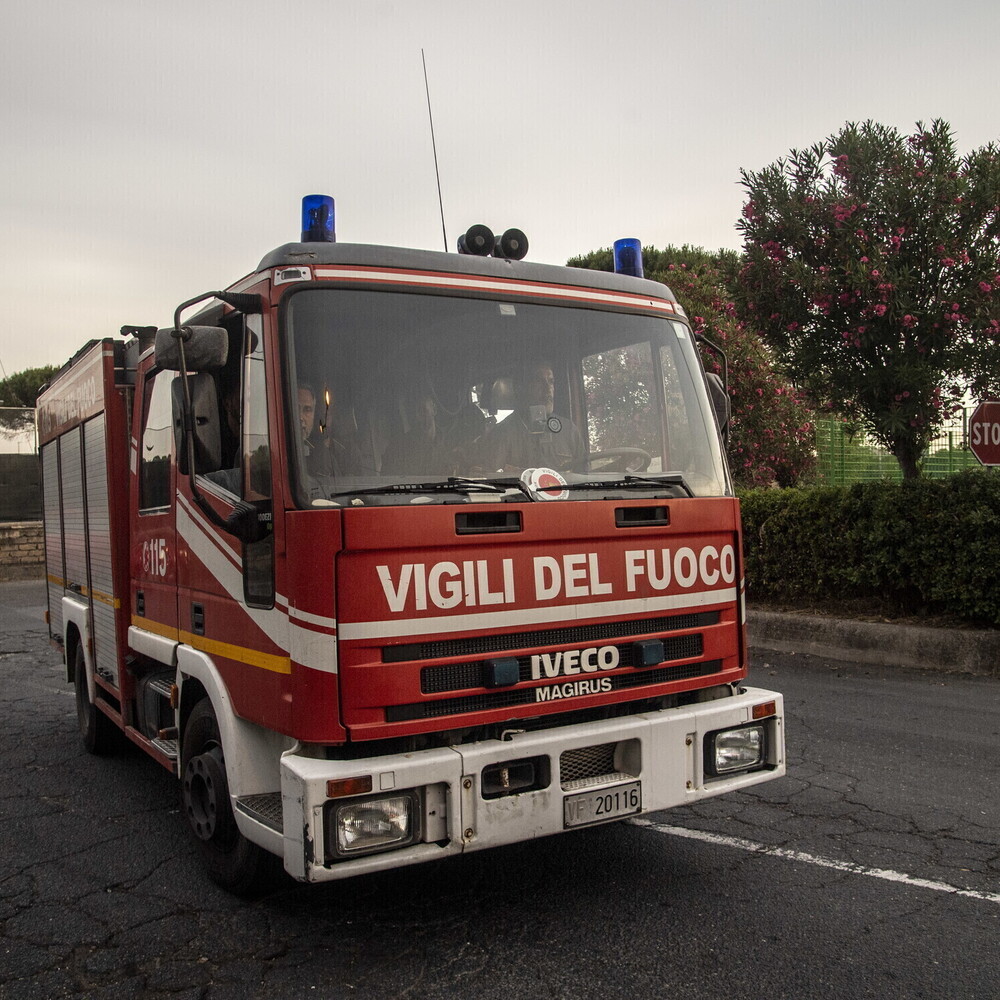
602,804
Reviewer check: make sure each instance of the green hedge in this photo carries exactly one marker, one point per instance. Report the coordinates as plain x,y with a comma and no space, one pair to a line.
919,545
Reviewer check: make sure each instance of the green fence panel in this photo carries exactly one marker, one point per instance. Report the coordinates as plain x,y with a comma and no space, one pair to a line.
844,458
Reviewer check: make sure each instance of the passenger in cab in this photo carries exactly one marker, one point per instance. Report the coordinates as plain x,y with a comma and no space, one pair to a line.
420,449
328,450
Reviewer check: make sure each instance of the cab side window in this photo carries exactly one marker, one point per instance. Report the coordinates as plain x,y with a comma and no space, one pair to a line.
256,440
156,447
258,557
229,390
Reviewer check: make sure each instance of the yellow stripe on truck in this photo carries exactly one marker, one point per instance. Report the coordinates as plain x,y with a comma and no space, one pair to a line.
241,654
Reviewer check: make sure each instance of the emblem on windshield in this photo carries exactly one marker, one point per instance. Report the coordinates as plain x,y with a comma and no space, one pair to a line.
545,484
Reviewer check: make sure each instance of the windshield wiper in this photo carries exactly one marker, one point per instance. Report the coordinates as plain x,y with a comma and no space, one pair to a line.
454,484
459,484
630,482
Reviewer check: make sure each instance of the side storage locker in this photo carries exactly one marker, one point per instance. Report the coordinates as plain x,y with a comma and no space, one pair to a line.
74,517
104,602
55,569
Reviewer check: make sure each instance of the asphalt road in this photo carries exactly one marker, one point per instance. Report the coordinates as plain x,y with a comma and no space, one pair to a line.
872,870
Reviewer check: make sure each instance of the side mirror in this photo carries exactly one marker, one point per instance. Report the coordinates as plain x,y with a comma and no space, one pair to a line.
205,349
250,522
204,423
720,402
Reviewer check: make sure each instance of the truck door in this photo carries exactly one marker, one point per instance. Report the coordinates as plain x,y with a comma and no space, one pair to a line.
226,592
154,555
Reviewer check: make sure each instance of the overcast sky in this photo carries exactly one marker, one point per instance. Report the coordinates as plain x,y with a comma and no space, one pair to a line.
152,151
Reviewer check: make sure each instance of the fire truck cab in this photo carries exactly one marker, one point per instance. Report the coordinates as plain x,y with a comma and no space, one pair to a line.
392,554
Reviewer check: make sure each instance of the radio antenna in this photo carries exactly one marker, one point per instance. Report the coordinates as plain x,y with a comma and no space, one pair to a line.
437,173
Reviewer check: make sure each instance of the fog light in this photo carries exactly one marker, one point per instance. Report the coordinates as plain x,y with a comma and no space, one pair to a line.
375,824
514,777
731,750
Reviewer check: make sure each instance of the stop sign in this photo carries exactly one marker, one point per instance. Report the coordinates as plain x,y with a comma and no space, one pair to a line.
984,432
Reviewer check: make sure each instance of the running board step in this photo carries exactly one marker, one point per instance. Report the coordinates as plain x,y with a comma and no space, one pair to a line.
265,809
167,747
161,687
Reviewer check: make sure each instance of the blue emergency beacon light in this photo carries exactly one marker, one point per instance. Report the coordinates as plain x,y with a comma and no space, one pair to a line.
317,219
628,257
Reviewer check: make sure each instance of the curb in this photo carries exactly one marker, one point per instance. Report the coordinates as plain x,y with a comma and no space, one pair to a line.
969,651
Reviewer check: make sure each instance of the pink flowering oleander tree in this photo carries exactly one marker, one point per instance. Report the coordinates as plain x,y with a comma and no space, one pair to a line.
772,437
872,267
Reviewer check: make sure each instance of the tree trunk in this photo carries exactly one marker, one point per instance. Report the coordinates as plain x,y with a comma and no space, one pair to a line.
908,462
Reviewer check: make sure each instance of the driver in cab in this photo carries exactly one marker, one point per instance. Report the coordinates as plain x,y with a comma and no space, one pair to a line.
533,435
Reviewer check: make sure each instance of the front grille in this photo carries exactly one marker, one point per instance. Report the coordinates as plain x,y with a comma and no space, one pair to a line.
577,635
462,676
456,677
526,695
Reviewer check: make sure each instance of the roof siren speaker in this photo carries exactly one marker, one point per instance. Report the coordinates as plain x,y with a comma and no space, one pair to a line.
478,240
513,245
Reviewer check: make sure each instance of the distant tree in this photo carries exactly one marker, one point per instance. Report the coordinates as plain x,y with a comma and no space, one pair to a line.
872,267
771,431
18,393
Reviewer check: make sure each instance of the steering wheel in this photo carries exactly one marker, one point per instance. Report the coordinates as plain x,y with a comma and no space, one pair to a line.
620,460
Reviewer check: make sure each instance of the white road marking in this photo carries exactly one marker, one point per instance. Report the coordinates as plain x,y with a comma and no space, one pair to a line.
811,859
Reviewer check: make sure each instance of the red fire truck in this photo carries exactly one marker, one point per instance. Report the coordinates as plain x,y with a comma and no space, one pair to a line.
393,554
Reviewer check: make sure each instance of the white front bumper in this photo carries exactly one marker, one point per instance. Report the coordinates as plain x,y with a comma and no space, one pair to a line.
457,818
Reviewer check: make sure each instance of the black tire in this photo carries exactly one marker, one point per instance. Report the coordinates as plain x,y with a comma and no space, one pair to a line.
232,862
100,735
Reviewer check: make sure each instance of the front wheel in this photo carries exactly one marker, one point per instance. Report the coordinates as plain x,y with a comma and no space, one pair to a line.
100,736
232,861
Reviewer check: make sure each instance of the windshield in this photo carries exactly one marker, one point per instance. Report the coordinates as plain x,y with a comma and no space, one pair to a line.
390,392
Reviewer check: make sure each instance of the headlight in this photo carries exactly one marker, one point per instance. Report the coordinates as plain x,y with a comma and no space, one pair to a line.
729,750
370,825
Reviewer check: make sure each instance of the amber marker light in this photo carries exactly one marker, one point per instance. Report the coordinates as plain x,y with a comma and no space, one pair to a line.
765,709
337,788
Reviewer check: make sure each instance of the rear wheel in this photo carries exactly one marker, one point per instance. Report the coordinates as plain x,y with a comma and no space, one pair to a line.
232,861
100,736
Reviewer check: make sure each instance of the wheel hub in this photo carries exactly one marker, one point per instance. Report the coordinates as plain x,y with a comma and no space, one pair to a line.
206,793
